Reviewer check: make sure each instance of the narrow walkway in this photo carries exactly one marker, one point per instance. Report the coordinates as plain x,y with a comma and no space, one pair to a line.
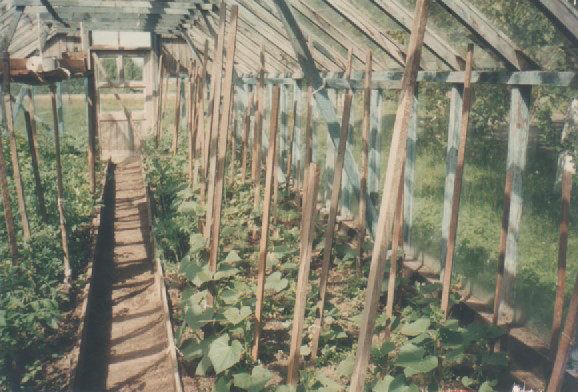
127,344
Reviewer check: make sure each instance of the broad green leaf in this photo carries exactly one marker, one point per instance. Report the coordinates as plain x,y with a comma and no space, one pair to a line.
221,385
192,349
305,350
196,316
495,359
225,271
196,243
253,382
230,297
456,355
381,352
232,257
424,366
223,355
345,367
487,386
235,315
409,355
329,385
467,381
390,384
204,366
197,274
416,328
276,282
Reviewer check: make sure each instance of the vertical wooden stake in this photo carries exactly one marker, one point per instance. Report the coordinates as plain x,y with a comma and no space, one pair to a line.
557,377
308,128
258,133
7,113
307,232
290,155
562,251
298,182
447,278
159,101
64,237
331,220
91,122
275,186
201,132
179,83
390,192
264,241
364,159
214,129
246,137
397,236
30,131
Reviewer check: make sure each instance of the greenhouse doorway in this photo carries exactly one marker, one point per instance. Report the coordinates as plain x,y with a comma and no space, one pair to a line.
123,95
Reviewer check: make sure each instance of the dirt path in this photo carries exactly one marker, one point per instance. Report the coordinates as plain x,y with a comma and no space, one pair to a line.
127,344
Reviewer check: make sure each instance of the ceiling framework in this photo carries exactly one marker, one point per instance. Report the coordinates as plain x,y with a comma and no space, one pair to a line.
261,24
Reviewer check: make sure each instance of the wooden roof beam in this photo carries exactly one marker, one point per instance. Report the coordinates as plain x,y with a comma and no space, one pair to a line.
8,32
374,33
479,25
440,48
563,15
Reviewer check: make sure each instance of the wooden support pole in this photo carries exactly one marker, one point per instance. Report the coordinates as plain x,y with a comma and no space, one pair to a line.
258,131
264,241
566,338
233,148
466,103
290,153
214,127
390,191
8,217
276,184
409,174
200,120
308,158
189,82
364,168
91,119
397,235
164,100
159,102
562,252
30,131
60,111
331,220
247,128
179,85
60,190
219,182
7,113
307,232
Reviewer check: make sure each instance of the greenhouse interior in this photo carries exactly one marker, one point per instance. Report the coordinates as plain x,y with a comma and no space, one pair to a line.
288,195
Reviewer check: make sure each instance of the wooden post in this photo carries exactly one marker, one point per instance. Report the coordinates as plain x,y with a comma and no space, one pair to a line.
159,102
331,220
7,113
447,278
557,377
307,231
164,100
409,174
59,103
201,132
233,149
276,184
308,128
179,83
264,241
91,119
190,120
246,137
290,154
222,139
64,237
521,97
390,191
214,127
397,235
364,169
30,131
258,133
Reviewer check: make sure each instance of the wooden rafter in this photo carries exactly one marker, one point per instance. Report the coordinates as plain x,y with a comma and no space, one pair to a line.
481,27
563,15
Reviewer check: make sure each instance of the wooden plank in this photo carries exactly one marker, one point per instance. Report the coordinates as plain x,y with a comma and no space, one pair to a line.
200,99
454,128
159,100
456,197
221,133
290,148
393,177
179,86
214,127
562,253
520,114
264,240
409,174
208,131
364,170
374,143
258,133
308,128
441,49
191,124
331,221
559,369
8,32
481,27
60,190
397,235
307,231
563,15
33,149
7,115
246,136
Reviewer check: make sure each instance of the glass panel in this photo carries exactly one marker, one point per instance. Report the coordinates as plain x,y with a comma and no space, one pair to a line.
109,70
133,68
120,99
